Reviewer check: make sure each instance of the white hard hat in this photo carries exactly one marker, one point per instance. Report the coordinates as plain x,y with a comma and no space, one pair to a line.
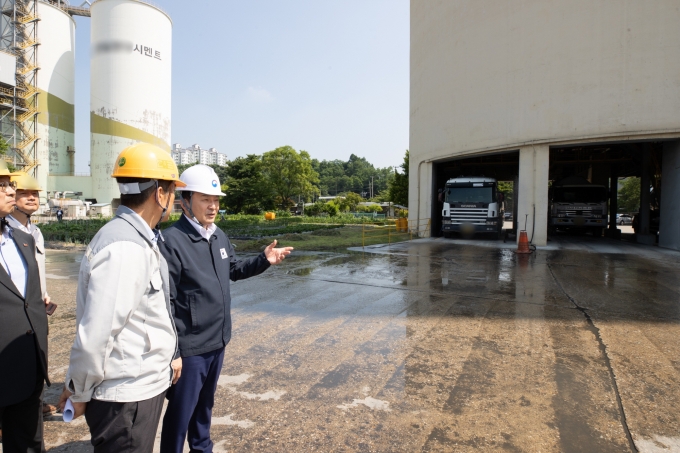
200,178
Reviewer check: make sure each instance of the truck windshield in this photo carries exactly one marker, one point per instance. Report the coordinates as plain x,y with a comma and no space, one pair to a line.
579,194
469,195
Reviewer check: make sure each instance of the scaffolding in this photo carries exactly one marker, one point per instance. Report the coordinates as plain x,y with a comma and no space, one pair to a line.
19,104
19,107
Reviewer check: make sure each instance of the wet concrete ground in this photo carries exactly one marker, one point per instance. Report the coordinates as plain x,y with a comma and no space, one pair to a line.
439,346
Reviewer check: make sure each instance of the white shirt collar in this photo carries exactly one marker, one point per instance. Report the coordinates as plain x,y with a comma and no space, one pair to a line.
204,232
13,261
6,232
14,223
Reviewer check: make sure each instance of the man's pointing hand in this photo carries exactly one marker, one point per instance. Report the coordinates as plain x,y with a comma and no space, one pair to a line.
276,255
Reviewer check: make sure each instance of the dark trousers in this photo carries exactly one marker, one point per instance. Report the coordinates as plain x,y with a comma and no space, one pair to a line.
124,427
190,404
22,423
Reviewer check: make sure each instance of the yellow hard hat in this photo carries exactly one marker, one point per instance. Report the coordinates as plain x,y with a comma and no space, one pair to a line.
4,171
143,160
26,182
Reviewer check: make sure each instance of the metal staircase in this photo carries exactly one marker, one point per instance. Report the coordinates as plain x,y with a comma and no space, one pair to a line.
19,104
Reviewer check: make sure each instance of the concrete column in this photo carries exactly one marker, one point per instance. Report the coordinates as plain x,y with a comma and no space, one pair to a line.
420,197
613,231
643,235
669,228
532,197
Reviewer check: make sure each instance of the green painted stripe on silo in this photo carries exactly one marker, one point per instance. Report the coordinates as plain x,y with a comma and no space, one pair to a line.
55,112
107,126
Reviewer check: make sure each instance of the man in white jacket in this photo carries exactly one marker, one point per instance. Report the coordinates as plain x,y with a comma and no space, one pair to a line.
120,367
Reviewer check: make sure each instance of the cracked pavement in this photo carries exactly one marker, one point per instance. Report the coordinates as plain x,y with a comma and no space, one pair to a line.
438,346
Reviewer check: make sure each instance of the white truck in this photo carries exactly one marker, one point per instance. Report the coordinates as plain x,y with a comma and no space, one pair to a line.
472,205
576,204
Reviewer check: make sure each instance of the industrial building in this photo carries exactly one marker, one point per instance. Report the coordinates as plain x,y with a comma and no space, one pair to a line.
130,81
197,155
535,91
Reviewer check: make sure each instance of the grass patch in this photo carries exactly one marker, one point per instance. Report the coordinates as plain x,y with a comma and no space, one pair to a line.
322,240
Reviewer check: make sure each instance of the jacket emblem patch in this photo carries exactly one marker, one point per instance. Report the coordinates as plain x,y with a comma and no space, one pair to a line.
223,253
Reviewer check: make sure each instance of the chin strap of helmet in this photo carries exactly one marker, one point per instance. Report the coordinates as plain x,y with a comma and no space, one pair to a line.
28,216
165,208
187,206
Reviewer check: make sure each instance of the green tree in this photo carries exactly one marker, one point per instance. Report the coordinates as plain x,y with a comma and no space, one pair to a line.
350,202
331,176
289,174
4,148
356,175
246,188
332,208
315,209
506,188
629,195
384,195
399,185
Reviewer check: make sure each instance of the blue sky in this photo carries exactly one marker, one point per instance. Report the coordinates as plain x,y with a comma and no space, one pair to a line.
329,77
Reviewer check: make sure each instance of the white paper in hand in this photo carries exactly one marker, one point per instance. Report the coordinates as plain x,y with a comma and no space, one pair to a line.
68,411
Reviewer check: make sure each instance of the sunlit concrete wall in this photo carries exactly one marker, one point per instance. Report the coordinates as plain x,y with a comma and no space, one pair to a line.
62,183
488,76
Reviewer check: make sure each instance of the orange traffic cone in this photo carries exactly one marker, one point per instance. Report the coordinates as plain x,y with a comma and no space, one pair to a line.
523,245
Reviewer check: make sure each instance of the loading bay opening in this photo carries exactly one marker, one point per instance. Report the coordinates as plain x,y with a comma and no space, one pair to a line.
603,164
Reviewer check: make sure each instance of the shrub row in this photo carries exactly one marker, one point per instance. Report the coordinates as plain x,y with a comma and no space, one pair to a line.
246,226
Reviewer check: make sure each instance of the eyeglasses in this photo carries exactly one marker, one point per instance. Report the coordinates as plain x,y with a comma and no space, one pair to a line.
5,185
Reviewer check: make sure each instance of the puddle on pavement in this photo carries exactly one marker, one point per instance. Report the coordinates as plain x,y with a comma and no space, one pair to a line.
302,271
344,259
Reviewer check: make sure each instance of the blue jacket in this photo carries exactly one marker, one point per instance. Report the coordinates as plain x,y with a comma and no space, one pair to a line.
200,271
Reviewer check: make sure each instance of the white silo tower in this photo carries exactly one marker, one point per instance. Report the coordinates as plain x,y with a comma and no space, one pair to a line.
37,86
56,84
130,84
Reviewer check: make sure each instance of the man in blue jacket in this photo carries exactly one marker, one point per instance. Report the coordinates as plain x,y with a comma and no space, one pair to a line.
201,262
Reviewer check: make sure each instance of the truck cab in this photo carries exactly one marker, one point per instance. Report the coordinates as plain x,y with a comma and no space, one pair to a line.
472,205
576,204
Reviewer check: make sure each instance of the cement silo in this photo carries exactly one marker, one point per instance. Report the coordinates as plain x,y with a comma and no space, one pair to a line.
130,84
56,85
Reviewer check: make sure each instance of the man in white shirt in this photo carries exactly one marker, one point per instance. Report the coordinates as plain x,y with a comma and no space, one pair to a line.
23,332
27,203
